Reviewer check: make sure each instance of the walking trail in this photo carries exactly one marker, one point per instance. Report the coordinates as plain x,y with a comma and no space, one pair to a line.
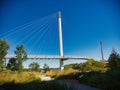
71,83
77,85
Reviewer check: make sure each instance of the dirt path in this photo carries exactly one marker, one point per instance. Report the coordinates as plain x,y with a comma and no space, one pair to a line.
77,85
71,83
46,78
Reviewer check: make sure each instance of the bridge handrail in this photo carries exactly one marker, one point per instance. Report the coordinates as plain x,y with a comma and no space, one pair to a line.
50,57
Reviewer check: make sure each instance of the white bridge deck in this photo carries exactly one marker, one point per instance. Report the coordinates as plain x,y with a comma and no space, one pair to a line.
50,57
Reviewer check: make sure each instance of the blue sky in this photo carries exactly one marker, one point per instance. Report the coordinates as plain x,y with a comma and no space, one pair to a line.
85,23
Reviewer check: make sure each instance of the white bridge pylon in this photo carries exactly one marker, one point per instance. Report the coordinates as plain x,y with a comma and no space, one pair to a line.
50,57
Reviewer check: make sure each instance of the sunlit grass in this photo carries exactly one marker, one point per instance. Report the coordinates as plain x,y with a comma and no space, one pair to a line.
31,81
26,76
57,73
9,76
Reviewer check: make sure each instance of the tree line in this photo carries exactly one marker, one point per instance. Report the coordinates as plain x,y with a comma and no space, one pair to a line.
113,62
16,63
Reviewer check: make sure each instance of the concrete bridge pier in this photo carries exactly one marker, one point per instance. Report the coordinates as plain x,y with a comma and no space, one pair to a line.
61,64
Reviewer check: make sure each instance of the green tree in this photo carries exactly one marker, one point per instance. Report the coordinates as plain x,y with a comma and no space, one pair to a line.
12,64
46,67
3,52
93,65
21,56
114,59
34,66
76,66
90,65
69,66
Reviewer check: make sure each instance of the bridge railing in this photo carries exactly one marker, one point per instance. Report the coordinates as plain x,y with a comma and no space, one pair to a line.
50,57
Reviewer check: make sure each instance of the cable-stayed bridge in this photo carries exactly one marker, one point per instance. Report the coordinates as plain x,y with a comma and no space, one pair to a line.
36,33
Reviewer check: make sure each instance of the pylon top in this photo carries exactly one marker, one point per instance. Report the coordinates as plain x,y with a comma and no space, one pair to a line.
59,14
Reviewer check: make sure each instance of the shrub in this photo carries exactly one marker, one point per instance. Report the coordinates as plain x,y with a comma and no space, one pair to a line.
37,85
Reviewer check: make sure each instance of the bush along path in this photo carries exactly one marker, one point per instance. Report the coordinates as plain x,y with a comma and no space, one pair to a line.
109,80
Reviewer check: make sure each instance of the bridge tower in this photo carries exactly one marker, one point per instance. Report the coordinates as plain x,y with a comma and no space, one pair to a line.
101,50
60,39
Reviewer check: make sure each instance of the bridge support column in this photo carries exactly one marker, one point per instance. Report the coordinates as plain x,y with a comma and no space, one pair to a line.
60,39
61,64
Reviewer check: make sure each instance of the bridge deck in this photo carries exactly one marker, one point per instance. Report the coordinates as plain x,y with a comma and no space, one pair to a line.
50,57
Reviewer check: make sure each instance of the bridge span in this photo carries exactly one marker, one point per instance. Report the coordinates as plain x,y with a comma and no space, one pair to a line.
40,57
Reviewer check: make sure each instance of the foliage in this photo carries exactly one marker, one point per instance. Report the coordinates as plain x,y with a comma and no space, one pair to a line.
3,52
76,66
21,56
69,66
109,80
34,66
90,65
46,67
12,64
114,59
37,85
93,78
115,73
